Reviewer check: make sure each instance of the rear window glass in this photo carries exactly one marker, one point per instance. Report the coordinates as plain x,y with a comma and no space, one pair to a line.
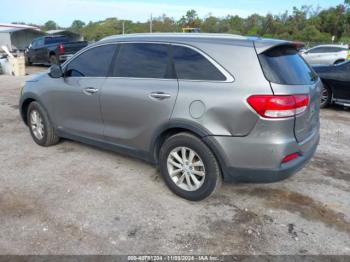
283,65
55,40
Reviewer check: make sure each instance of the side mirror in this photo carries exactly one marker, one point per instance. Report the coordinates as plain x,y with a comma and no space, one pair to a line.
55,71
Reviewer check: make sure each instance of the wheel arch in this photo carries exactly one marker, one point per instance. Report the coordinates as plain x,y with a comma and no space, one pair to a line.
24,108
178,126
171,128
24,104
339,61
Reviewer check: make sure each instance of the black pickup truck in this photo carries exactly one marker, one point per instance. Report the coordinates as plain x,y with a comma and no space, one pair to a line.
53,49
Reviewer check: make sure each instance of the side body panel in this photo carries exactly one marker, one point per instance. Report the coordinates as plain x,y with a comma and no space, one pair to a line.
76,111
131,115
221,107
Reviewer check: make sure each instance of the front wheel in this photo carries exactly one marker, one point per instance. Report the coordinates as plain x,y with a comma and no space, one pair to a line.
28,62
40,126
188,167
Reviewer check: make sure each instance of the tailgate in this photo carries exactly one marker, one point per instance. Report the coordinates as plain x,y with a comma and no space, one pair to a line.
289,74
73,47
306,123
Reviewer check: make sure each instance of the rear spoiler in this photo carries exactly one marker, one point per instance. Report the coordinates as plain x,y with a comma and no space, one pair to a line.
262,45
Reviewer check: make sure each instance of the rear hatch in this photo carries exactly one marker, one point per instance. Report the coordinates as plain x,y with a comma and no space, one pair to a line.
289,74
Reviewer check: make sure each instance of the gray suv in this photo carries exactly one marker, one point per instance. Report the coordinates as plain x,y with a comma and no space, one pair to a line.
203,107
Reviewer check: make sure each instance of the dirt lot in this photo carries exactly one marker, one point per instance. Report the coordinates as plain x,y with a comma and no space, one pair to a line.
76,199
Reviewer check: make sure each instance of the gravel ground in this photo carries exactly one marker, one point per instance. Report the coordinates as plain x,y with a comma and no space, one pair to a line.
76,199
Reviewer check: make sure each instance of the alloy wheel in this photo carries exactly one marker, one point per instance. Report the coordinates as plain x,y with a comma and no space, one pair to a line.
186,168
36,124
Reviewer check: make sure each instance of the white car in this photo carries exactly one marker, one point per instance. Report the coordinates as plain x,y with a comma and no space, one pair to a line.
326,54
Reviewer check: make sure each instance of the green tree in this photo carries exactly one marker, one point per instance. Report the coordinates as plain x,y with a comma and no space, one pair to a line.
77,26
50,25
191,19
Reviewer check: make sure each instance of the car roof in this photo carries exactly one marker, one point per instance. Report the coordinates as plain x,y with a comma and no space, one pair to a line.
261,44
331,45
180,36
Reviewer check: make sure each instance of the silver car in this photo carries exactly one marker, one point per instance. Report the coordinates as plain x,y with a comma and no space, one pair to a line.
326,54
203,107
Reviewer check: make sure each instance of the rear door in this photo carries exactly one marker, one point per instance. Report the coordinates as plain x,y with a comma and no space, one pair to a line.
139,96
289,74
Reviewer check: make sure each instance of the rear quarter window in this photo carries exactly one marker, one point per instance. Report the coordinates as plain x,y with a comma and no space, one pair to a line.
191,65
283,65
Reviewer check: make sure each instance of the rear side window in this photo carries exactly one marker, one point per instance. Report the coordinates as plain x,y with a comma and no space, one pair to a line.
142,60
283,65
94,62
339,49
192,65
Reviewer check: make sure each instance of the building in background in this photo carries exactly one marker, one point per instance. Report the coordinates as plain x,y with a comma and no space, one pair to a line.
18,37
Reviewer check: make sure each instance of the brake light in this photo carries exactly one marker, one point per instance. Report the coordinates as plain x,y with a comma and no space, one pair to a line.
290,157
61,48
278,106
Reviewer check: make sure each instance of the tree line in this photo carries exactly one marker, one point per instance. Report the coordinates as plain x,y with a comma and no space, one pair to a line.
307,24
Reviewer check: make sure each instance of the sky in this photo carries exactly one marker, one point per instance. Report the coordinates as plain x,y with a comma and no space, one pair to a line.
65,11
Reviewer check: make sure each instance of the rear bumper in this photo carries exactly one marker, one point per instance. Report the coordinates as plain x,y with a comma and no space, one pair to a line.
243,160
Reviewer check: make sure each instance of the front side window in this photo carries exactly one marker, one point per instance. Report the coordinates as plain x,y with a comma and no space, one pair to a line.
40,42
94,62
34,44
191,65
142,60
318,50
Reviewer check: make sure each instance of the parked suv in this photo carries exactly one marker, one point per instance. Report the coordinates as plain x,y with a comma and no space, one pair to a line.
326,54
201,106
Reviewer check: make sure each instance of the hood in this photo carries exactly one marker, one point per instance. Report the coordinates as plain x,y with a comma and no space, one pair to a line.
37,77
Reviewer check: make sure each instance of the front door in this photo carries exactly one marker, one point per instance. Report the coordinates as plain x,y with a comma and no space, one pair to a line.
77,107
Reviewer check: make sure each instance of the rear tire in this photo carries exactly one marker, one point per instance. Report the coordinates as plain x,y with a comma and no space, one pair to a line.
195,174
53,60
326,96
40,126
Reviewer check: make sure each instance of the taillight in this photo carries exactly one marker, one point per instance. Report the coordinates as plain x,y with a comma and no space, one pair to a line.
290,157
61,48
278,106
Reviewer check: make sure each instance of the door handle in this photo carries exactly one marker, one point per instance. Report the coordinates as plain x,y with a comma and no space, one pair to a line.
159,95
90,90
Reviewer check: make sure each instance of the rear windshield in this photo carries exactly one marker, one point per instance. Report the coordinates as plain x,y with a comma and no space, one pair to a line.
56,40
283,65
